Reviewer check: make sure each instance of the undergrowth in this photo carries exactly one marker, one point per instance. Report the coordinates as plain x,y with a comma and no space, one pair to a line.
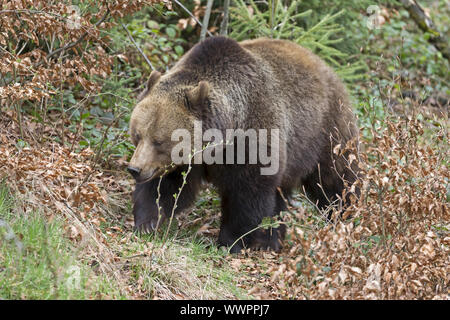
65,223
38,261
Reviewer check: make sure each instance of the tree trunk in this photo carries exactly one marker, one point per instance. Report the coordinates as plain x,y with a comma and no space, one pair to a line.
426,24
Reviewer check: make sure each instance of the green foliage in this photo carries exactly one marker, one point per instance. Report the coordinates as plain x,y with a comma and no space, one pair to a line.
179,266
156,32
408,53
105,118
353,19
284,20
39,262
400,59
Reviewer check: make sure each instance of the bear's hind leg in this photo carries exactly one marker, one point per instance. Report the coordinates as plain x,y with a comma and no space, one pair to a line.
271,238
244,206
325,187
322,187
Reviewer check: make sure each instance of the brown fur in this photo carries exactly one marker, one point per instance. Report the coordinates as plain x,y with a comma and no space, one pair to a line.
255,84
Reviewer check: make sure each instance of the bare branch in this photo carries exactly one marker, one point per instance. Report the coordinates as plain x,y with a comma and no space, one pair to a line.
192,16
426,25
206,20
137,46
224,24
73,44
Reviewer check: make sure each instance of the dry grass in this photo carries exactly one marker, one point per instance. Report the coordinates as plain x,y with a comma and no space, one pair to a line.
394,245
95,207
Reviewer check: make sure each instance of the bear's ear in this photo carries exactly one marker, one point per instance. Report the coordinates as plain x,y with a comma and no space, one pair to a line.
197,97
152,80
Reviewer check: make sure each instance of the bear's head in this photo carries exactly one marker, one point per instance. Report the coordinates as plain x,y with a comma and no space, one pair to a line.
163,107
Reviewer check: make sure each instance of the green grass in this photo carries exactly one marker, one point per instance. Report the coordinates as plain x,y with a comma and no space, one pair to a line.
37,260
179,262
179,267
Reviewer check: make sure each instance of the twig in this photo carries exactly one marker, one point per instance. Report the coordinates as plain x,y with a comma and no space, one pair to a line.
426,24
192,16
73,44
224,24
206,20
263,226
95,158
137,46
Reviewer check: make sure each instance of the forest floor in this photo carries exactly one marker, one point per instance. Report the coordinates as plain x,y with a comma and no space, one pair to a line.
66,222
89,210
71,218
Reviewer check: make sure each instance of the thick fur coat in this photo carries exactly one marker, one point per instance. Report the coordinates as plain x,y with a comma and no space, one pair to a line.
254,84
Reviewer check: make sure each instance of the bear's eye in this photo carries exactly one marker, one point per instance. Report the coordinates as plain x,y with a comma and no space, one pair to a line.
157,143
136,138
187,102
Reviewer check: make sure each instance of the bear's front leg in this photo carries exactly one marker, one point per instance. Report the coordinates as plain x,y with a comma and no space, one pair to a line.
147,217
244,204
145,209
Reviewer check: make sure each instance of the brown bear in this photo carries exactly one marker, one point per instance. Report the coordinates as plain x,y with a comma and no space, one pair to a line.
260,84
